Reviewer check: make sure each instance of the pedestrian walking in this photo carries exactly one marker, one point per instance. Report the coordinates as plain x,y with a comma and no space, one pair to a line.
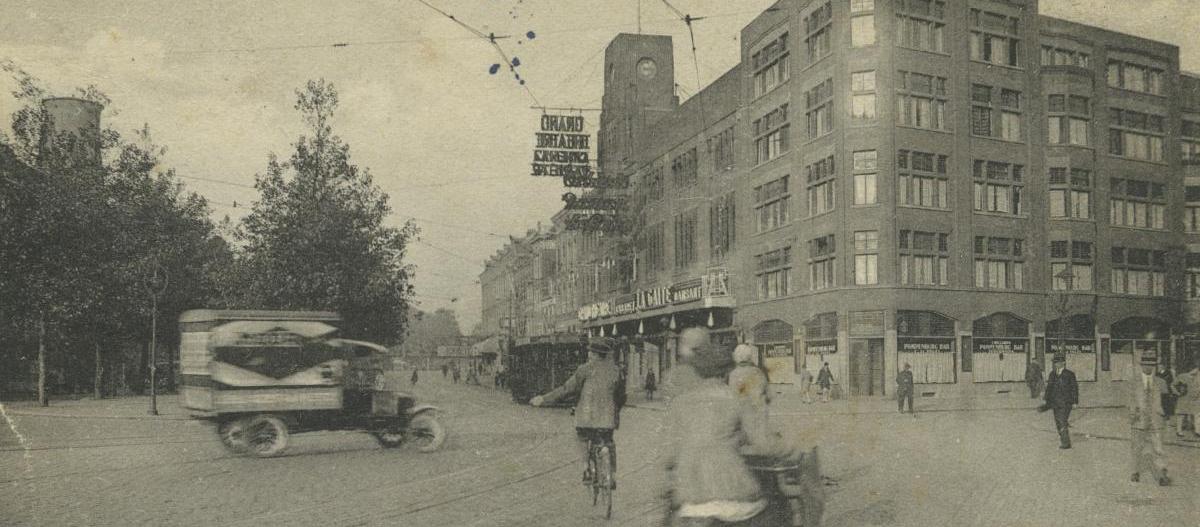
825,382
747,379
1062,393
445,370
1188,387
455,375
904,388
1033,377
806,382
1170,398
650,385
414,377
1146,423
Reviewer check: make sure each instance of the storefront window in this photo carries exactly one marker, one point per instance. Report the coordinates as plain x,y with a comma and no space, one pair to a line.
1134,337
773,338
925,340
1000,345
1076,339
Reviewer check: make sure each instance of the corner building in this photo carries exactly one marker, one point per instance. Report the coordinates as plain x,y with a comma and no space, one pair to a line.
965,186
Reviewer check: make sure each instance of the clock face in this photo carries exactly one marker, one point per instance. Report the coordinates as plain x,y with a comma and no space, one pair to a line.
647,68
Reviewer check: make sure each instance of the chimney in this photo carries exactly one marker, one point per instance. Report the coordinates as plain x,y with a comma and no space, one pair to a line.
70,128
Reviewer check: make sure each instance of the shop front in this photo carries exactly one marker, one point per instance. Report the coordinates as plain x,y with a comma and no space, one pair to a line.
867,374
999,348
1077,340
773,340
1133,337
925,340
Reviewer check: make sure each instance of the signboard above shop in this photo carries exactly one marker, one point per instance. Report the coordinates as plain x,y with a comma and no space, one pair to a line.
715,283
562,148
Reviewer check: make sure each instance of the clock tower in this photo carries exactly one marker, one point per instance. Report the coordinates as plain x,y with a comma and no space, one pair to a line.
639,88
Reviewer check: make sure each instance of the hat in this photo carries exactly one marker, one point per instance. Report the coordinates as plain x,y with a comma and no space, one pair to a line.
711,361
1148,360
743,353
1060,357
603,345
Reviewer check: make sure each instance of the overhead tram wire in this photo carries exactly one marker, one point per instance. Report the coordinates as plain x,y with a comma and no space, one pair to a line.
490,38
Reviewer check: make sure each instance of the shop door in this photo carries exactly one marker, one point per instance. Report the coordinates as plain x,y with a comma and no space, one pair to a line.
866,367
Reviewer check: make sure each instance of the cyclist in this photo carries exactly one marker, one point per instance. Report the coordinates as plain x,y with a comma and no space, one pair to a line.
601,395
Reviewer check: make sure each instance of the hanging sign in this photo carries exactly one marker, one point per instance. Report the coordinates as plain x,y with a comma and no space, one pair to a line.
562,148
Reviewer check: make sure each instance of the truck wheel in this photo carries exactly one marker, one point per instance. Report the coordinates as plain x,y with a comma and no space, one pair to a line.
266,435
426,432
388,438
233,435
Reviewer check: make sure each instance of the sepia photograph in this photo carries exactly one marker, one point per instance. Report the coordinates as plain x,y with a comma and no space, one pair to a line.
436,263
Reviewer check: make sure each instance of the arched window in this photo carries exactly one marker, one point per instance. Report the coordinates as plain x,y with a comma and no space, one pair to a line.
999,347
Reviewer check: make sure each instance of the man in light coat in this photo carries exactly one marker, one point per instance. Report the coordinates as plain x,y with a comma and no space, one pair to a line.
597,411
1146,422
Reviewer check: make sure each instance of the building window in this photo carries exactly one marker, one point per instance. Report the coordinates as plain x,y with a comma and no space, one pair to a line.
865,177
866,257
999,187
999,263
1191,209
995,113
821,187
1071,265
819,101
773,273
862,95
685,239
683,169
1189,142
1139,272
1135,77
722,221
771,204
922,180
1137,203
1070,197
994,38
862,6
720,148
655,247
771,135
1052,56
654,184
822,257
1069,117
922,101
771,65
924,258
818,27
1136,135
921,25
1193,275
862,31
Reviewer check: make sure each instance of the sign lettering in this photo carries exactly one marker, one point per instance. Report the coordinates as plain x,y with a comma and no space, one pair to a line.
562,149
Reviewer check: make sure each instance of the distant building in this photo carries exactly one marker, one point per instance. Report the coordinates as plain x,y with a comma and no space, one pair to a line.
968,187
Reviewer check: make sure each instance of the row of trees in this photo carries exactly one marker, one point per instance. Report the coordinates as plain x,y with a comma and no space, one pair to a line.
77,241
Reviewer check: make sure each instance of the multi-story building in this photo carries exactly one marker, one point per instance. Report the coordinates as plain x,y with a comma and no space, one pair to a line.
969,187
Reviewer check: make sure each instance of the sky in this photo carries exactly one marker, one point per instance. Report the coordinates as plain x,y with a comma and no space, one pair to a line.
448,140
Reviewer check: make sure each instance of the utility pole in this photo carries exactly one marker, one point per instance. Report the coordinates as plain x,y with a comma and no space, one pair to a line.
156,285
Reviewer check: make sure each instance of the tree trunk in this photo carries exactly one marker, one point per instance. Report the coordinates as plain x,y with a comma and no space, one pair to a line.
42,362
98,385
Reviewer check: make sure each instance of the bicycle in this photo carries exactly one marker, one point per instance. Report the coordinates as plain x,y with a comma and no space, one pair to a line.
600,474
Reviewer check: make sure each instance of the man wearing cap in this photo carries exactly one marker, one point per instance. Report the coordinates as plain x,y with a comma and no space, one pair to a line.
1061,394
904,388
597,382
1146,422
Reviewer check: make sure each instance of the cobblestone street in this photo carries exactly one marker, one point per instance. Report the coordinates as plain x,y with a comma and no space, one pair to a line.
108,463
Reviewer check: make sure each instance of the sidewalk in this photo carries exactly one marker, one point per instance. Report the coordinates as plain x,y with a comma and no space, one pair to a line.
131,407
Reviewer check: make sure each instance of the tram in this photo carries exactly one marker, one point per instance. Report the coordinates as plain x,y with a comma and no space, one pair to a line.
539,364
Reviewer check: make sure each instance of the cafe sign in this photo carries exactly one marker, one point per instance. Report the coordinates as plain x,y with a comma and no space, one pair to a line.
987,345
1072,346
652,298
688,291
596,310
925,345
562,148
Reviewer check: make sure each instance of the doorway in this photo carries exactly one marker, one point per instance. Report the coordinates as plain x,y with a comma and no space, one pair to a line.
866,367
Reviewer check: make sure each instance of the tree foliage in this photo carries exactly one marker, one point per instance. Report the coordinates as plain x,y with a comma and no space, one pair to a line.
427,331
318,237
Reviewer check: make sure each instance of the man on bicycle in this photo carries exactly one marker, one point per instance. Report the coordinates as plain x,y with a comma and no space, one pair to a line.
601,394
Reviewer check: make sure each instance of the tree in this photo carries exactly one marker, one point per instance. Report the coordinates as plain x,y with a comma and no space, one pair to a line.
427,331
318,237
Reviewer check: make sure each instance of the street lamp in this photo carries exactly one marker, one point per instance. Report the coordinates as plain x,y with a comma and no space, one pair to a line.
155,284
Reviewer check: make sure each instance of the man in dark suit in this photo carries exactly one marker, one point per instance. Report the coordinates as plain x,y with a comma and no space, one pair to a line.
1061,394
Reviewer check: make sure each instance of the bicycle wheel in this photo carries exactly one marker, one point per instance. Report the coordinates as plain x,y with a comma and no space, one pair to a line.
604,481
591,469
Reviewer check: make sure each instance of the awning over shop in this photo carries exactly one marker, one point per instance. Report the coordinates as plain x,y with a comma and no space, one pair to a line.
490,345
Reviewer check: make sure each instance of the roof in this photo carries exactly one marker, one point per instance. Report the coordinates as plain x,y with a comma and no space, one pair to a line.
214,315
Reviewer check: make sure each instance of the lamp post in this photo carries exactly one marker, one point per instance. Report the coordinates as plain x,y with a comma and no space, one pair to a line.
155,284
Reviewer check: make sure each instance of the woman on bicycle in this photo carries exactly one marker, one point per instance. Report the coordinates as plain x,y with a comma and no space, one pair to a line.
713,428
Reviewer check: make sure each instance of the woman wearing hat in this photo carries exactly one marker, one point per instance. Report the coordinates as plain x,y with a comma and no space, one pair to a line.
713,427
